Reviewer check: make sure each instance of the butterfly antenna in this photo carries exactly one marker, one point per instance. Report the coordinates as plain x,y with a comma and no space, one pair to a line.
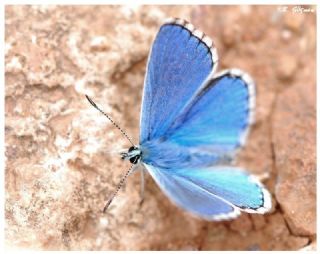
110,119
123,179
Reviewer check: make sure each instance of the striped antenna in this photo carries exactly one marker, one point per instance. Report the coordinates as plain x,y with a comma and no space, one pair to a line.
122,181
110,119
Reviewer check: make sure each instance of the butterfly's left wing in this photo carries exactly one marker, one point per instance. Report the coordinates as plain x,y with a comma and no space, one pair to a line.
181,59
213,193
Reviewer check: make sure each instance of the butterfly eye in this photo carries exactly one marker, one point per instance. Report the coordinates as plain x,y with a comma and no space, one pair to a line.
135,159
132,148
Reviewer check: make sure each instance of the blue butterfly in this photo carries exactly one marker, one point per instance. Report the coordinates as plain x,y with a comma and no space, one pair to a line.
193,122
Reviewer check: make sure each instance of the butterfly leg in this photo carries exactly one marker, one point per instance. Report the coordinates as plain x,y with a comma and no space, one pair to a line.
142,172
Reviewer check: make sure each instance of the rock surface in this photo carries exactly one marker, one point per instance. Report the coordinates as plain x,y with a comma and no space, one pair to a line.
61,154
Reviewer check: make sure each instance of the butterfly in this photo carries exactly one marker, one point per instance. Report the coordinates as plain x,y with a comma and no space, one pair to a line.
193,122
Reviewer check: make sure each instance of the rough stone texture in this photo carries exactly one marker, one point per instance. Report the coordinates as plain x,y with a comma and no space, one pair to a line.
61,154
294,142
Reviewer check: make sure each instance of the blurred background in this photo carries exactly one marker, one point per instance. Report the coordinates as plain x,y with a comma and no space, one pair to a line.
61,154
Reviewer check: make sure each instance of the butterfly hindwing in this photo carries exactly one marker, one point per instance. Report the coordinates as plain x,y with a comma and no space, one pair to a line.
213,193
232,184
192,197
181,59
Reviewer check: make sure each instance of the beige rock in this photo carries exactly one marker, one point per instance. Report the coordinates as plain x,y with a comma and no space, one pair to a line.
293,19
311,247
287,67
61,154
294,137
278,235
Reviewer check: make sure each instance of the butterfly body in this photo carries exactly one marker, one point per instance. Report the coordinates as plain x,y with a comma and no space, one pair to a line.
133,155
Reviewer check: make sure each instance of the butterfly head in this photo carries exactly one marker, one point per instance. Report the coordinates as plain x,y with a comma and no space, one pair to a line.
133,155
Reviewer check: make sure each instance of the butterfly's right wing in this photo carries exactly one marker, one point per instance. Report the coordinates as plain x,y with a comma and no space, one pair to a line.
220,114
191,197
211,128
213,193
